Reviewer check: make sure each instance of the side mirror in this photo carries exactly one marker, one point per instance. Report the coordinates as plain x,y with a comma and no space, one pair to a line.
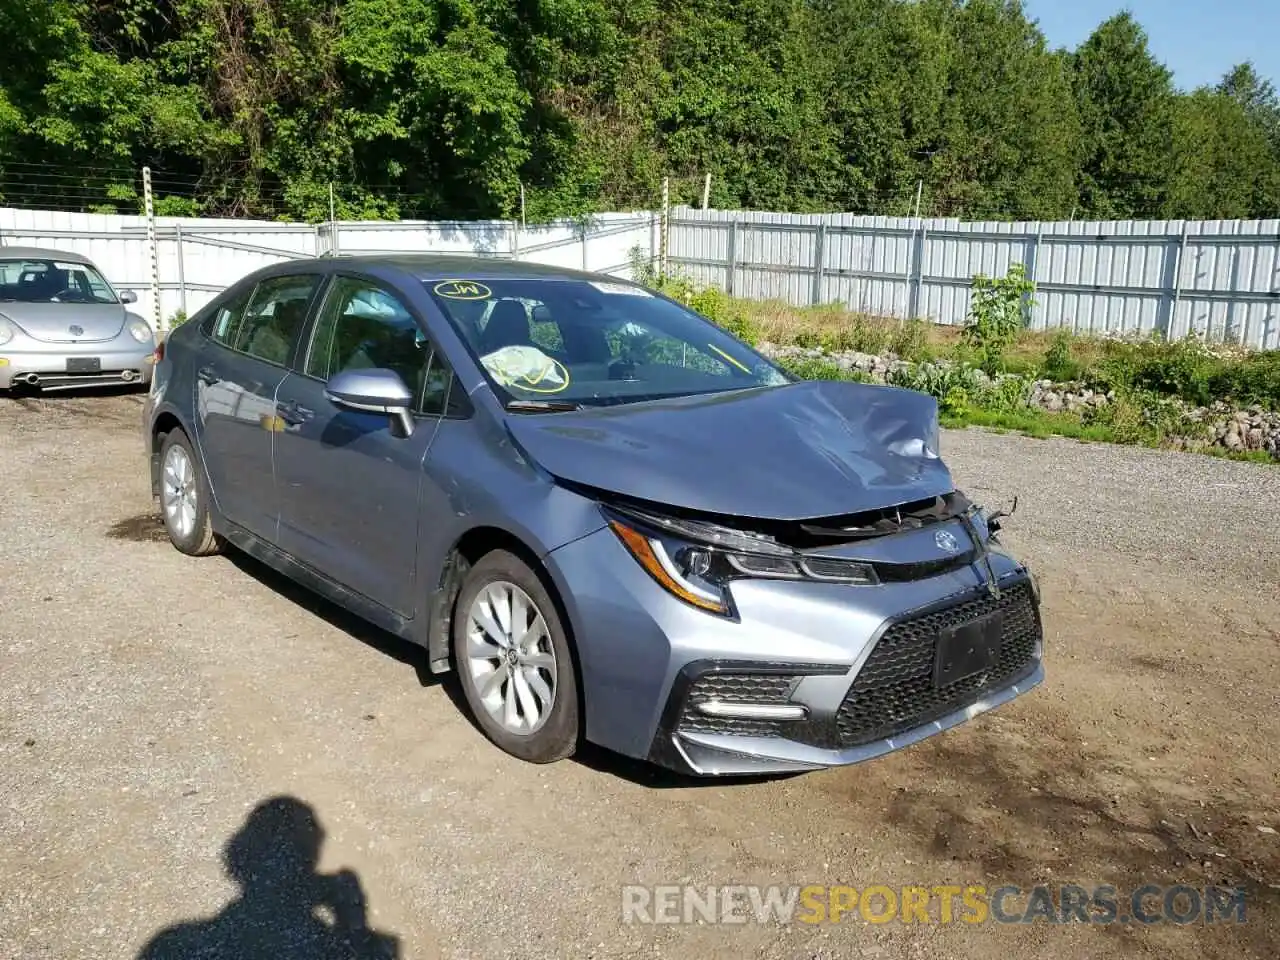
372,391
128,296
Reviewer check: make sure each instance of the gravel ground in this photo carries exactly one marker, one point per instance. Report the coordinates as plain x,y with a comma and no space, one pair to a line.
149,702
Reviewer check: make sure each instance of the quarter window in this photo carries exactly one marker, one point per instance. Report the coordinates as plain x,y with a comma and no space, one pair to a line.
226,322
361,327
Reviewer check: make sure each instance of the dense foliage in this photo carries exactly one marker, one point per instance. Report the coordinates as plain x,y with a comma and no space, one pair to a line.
446,108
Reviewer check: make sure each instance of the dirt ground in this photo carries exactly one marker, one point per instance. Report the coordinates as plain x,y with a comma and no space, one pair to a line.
149,701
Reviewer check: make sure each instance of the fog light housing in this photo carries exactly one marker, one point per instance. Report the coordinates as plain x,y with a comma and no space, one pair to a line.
752,711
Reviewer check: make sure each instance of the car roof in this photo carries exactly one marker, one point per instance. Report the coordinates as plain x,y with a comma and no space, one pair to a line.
428,266
42,253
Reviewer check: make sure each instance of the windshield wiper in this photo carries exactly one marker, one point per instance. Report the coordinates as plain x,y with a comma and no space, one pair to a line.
542,406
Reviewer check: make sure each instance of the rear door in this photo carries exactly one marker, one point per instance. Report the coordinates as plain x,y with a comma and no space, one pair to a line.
239,366
349,484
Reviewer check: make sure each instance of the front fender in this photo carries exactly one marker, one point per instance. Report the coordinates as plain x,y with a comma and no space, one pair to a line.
476,482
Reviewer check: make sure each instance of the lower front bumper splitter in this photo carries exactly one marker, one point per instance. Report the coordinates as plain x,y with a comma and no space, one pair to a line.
721,754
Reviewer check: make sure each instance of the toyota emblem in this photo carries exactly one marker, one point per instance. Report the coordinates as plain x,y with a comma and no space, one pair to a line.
946,541
77,331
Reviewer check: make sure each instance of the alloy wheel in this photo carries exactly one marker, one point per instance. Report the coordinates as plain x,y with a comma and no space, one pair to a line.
510,658
178,492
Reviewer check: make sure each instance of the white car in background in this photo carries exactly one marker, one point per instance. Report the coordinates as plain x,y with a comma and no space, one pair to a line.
62,326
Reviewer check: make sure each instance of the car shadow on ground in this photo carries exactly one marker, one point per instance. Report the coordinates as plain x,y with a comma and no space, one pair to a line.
645,774
149,528
285,908
33,399
402,651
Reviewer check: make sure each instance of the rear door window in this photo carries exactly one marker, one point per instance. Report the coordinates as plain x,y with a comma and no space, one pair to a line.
274,317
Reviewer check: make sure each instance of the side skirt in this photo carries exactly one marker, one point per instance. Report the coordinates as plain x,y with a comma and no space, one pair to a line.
316,582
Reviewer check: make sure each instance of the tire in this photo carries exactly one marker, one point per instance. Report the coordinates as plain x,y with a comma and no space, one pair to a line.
184,499
511,708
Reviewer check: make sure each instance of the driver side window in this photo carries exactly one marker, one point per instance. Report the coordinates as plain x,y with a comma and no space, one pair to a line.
362,326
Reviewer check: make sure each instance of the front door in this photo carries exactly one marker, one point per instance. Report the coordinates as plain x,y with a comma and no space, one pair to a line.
240,365
348,482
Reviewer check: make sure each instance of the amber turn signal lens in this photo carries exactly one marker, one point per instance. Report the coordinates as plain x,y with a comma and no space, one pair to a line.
641,548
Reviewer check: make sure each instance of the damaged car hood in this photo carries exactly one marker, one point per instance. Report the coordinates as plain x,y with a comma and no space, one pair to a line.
800,451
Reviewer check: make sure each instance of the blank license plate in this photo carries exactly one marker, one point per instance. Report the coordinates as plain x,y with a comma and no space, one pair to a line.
968,649
84,364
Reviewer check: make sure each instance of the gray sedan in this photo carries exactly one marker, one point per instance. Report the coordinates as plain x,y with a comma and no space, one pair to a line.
615,522
62,326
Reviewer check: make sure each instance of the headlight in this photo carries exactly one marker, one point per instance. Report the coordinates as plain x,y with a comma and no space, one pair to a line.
696,562
139,330
7,330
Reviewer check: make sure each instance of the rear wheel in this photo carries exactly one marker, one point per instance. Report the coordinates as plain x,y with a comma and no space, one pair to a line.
514,660
184,498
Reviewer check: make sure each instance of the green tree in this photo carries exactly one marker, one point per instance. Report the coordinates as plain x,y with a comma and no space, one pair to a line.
1257,97
1126,100
458,108
1223,164
1007,126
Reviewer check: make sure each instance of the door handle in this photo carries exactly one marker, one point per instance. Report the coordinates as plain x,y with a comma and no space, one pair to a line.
293,414
207,375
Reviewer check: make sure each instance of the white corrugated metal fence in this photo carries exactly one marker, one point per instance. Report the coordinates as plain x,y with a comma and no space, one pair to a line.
1217,278
199,257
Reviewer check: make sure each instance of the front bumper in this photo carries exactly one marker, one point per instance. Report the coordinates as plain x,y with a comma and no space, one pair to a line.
853,665
118,364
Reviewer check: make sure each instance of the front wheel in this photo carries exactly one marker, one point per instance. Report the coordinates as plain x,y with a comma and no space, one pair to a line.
184,498
514,660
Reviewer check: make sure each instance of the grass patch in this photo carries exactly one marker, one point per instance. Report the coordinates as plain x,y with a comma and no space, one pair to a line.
1031,423
1246,456
1184,370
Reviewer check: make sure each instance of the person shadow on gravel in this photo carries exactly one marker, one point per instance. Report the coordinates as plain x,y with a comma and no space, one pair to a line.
286,909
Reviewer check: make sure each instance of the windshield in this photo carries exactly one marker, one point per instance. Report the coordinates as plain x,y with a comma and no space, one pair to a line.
52,281
584,342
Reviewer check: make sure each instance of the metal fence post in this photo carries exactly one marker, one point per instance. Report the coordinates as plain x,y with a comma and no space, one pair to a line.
665,228
182,273
1178,254
913,304
910,273
819,263
731,267
333,224
1033,271
150,210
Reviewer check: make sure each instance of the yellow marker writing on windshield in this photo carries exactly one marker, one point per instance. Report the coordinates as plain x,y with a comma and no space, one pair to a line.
462,290
729,358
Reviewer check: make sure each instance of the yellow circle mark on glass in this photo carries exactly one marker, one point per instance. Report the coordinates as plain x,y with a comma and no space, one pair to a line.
462,290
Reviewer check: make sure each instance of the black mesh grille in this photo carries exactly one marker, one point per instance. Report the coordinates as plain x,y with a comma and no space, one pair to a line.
735,688
894,690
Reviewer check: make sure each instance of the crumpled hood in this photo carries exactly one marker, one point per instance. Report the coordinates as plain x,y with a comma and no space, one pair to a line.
52,322
803,451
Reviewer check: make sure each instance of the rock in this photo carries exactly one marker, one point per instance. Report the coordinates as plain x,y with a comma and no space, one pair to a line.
1053,402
